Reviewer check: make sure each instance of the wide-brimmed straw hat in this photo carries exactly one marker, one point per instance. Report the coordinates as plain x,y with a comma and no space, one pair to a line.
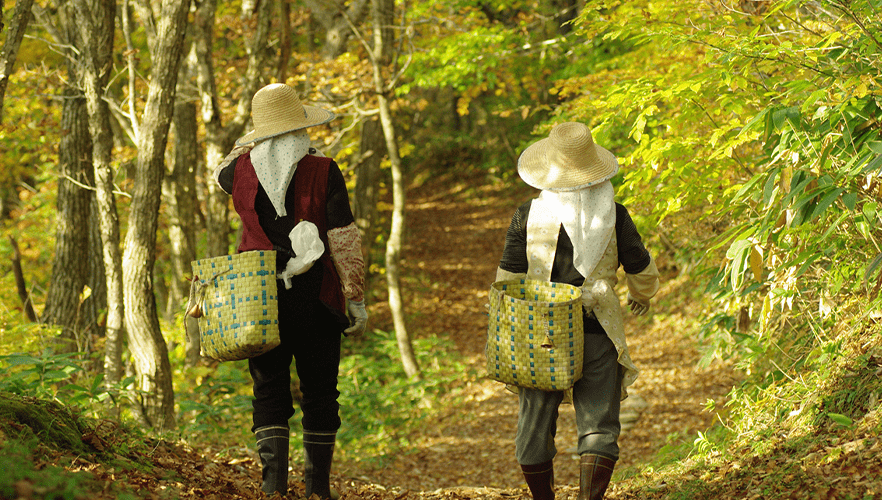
276,109
567,160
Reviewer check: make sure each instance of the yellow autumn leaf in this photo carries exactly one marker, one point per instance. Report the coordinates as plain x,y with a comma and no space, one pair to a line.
756,262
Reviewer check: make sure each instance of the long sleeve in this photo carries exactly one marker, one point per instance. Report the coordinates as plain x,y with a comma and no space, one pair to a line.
641,274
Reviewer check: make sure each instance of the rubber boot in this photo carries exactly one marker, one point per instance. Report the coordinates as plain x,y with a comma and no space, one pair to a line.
272,446
318,453
540,480
596,472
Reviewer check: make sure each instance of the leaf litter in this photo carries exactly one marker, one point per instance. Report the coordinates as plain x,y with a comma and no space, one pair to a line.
456,233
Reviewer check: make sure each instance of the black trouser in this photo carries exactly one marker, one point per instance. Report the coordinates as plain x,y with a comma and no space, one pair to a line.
310,335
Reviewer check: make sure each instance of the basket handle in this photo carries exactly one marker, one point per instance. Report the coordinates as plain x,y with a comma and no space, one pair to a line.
197,294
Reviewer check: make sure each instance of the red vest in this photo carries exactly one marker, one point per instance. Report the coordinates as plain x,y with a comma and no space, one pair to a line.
310,185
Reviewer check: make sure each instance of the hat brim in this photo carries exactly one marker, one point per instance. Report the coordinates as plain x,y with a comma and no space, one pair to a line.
538,170
314,117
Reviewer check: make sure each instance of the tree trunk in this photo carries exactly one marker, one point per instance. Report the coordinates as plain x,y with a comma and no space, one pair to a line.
20,283
94,309
367,180
95,23
70,271
285,41
334,18
373,147
396,231
180,195
20,19
146,341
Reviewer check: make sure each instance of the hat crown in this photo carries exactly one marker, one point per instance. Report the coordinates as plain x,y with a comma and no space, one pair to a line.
572,143
276,109
276,102
567,160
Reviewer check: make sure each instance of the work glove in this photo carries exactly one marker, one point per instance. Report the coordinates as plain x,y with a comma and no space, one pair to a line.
637,308
357,318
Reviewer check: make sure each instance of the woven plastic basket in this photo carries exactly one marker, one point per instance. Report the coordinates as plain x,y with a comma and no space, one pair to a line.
535,337
240,313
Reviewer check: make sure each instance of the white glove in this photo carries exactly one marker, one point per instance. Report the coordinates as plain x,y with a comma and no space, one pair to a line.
637,308
357,318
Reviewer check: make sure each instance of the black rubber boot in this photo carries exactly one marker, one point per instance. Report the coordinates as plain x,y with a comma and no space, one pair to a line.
540,480
318,453
272,446
596,472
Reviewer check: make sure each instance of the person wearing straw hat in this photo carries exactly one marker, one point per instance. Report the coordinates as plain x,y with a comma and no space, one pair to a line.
574,232
293,200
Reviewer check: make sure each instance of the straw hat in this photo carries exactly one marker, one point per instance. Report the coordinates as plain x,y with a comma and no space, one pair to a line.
276,109
567,160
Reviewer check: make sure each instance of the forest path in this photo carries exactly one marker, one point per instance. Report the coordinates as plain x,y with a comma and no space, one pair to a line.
456,231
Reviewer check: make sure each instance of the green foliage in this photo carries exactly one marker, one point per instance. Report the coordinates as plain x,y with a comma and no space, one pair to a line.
55,483
214,402
381,408
61,376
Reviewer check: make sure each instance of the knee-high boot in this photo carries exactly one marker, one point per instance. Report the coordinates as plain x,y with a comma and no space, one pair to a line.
318,453
540,480
272,446
596,472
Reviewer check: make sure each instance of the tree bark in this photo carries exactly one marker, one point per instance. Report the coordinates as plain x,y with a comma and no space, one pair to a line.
396,231
70,271
180,194
95,22
146,341
373,147
20,283
334,18
367,179
20,19
285,41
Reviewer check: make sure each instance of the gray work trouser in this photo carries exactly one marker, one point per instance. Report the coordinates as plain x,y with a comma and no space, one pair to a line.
596,398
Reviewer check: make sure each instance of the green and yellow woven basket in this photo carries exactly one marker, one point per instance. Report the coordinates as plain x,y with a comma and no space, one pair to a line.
535,337
239,301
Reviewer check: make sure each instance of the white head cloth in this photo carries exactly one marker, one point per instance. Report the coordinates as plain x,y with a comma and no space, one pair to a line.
275,160
589,217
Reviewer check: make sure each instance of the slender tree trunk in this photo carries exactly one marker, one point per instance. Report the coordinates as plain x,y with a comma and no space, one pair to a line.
145,337
217,145
94,312
20,283
285,41
396,232
367,181
180,193
95,22
20,19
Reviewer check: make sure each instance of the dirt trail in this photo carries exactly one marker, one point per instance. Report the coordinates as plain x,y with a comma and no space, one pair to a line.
455,237
457,230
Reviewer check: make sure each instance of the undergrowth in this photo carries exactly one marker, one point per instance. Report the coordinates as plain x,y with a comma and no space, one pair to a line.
809,428
380,405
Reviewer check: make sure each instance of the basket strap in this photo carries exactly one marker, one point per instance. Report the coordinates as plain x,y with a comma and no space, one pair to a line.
543,229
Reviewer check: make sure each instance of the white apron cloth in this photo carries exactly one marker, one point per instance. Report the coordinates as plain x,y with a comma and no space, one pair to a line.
589,217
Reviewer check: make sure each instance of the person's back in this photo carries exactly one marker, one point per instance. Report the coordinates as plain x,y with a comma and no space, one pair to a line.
575,233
